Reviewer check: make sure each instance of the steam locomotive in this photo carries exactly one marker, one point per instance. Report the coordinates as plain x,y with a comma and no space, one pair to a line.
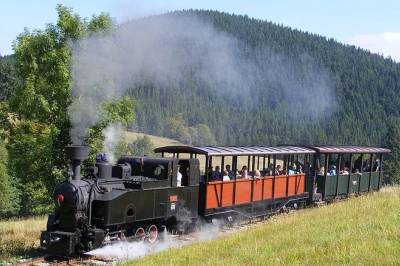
139,196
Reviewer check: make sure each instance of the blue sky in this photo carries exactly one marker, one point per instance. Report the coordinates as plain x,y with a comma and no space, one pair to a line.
374,25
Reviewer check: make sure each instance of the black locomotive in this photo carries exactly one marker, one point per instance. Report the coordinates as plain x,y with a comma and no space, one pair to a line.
139,196
134,198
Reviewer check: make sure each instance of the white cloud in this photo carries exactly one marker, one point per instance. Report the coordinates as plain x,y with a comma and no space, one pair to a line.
386,44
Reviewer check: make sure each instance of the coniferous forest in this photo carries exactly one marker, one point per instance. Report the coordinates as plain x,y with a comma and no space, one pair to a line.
301,88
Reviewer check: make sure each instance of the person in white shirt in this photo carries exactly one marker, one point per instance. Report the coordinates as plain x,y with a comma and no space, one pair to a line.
178,178
226,176
257,174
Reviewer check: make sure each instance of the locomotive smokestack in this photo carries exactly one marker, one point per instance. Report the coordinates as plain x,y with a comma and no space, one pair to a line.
77,153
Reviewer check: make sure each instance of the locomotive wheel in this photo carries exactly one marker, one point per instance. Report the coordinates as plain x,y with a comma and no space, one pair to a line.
140,233
152,233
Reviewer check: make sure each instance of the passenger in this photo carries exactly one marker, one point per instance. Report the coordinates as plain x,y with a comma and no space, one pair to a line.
244,172
278,170
321,171
230,172
226,176
284,171
271,169
345,171
257,174
238,175
332,170
367,166
217,175
377,165
210,172
299,169
291,170
178,177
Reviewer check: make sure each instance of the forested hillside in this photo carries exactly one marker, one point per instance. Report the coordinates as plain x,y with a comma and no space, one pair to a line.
364,88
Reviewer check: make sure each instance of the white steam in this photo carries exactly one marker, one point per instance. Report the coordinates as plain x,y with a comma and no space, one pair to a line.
174,51
131,250
113,134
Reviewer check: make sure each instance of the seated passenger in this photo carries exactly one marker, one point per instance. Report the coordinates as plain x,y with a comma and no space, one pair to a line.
345,171
270,170
299,169
257,174
284,171
367,166
244,173
377,165
216,175
230,172
209,172
278,170
291,170
238,175
226,176
332,170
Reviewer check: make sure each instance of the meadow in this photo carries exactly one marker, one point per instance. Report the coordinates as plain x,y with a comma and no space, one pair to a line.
363,230
20,237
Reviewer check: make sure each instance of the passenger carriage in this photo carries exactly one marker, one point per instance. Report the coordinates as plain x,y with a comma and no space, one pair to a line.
249,197
361,175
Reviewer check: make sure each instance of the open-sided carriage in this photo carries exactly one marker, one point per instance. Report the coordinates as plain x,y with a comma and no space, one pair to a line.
341,171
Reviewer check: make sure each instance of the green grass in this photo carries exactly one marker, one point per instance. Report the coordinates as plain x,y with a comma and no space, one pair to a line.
364,230
20,237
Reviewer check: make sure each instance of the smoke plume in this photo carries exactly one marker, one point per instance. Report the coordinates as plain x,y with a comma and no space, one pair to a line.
172,50
132,250
113,134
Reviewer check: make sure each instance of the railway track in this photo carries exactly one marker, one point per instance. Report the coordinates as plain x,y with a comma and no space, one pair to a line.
59,261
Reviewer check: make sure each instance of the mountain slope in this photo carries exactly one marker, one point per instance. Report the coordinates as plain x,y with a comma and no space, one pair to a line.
364,89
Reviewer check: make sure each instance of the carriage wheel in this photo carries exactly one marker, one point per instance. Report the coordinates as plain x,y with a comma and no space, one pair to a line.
140,234
153,233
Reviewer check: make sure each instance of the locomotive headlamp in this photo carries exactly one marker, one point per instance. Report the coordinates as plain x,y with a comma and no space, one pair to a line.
59,198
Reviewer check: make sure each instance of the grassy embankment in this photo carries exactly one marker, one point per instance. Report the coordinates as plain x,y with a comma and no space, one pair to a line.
363,230
19,237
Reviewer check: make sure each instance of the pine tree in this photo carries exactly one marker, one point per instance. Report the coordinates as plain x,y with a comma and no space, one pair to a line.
392,165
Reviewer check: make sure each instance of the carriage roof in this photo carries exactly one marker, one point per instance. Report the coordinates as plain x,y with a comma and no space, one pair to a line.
235,150
267,150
